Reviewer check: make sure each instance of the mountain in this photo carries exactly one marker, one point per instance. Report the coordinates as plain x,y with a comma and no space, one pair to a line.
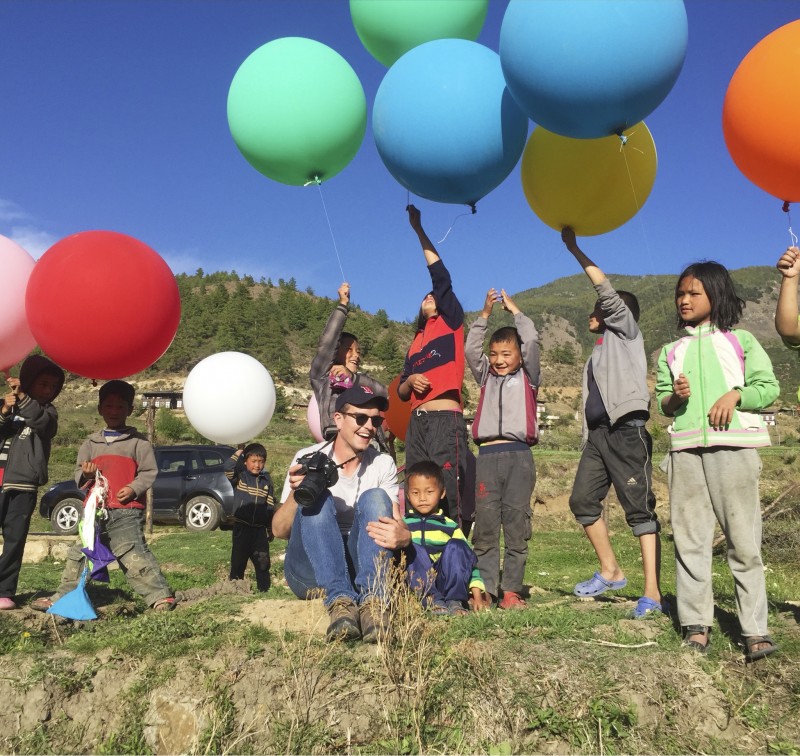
280,325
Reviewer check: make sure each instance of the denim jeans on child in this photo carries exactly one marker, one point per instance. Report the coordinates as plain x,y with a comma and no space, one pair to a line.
320,557
122,532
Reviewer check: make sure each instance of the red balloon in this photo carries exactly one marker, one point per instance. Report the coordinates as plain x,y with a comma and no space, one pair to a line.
399,412
102,304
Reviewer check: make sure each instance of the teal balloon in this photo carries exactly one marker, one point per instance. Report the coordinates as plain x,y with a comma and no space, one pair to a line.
297,111
390,28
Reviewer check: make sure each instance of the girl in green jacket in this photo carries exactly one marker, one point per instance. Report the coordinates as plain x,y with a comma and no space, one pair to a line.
713,382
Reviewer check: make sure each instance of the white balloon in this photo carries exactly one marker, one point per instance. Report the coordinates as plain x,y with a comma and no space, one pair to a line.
229,397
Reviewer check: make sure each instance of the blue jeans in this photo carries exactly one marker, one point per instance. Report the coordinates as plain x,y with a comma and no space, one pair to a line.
319,557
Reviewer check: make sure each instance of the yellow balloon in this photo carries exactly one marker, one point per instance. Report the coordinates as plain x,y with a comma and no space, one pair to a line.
593,185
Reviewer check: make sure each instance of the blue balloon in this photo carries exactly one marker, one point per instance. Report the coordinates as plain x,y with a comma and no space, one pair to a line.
590,68
445,125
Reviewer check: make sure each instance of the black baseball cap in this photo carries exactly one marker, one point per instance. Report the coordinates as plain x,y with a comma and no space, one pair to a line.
358,396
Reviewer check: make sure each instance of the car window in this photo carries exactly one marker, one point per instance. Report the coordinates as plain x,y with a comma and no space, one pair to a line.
211,458
174,461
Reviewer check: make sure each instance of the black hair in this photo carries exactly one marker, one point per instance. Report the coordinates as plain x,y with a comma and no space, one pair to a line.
506,334
422,318
345,335
726,304
426,469
631,302
254,450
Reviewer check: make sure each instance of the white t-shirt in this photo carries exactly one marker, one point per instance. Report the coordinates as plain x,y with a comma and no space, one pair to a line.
375,471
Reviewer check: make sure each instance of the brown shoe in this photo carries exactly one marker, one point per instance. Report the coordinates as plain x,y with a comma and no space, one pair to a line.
344,620
374,620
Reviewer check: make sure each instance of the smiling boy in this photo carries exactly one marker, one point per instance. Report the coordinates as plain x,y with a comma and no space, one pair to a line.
504,429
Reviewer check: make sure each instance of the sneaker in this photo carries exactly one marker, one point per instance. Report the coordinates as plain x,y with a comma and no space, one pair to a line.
374,620
7,603
512,600
345,624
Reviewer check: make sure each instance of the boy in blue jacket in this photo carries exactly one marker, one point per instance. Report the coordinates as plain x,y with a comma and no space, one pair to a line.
255,505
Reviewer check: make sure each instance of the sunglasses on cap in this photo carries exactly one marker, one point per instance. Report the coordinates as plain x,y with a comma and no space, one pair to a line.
362,419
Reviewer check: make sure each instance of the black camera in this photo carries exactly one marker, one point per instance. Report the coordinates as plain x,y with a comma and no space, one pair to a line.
320,474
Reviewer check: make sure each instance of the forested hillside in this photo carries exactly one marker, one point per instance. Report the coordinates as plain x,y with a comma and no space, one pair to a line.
280,325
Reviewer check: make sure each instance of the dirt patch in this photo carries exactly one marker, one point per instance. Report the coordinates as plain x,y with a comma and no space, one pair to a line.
308,617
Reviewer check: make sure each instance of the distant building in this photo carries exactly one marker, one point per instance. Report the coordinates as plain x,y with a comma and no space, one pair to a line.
165,399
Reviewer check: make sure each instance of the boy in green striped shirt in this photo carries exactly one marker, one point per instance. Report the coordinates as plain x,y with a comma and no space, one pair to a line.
441,566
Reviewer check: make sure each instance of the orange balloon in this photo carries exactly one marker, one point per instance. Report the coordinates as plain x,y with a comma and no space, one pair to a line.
761,114
399,412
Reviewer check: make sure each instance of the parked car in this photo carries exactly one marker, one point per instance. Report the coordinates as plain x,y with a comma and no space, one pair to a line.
190,488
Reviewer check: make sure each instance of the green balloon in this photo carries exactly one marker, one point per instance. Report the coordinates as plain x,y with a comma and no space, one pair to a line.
297,111
390,28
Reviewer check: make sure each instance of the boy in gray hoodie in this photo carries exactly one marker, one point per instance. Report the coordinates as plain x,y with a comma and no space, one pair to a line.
617,449
28,422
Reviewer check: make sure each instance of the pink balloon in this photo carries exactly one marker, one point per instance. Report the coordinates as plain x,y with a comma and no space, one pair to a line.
312,418
16,339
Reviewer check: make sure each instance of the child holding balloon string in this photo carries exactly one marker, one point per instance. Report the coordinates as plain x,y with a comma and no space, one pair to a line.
787,315
713,382
432,378
335,367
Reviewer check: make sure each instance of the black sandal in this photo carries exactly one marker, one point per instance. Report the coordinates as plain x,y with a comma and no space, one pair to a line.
689,630
750,641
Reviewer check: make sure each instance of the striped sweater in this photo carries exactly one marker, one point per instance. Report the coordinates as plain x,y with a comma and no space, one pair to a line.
432,532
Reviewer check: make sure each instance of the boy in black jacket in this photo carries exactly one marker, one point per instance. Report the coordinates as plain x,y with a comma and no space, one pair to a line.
255,505
28,422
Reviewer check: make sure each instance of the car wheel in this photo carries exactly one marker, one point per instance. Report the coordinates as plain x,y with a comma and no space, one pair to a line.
202,513
65,516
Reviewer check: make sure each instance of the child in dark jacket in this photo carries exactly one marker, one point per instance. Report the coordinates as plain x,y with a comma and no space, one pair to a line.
125,457
504,428
255,505
440,564
28,422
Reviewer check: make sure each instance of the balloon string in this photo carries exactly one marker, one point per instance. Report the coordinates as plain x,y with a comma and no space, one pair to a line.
642,227
460,215
330,227
788,212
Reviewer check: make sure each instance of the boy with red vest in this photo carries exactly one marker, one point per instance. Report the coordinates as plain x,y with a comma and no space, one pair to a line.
504,428
432,378
125,457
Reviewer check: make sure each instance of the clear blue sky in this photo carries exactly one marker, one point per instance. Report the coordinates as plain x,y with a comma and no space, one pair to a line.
114,117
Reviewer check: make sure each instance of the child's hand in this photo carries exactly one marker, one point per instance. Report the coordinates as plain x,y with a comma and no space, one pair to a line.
508,303
480,600
419,383
9,402
125,494
721,414
338,371
491,297
344,294
568,237
414,217
88,469
13,384
789,264
681,387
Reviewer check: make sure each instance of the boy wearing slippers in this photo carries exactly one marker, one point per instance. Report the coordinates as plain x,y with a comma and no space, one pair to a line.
617,449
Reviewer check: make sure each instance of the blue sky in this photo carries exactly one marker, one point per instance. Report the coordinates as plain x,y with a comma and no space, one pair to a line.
114,117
